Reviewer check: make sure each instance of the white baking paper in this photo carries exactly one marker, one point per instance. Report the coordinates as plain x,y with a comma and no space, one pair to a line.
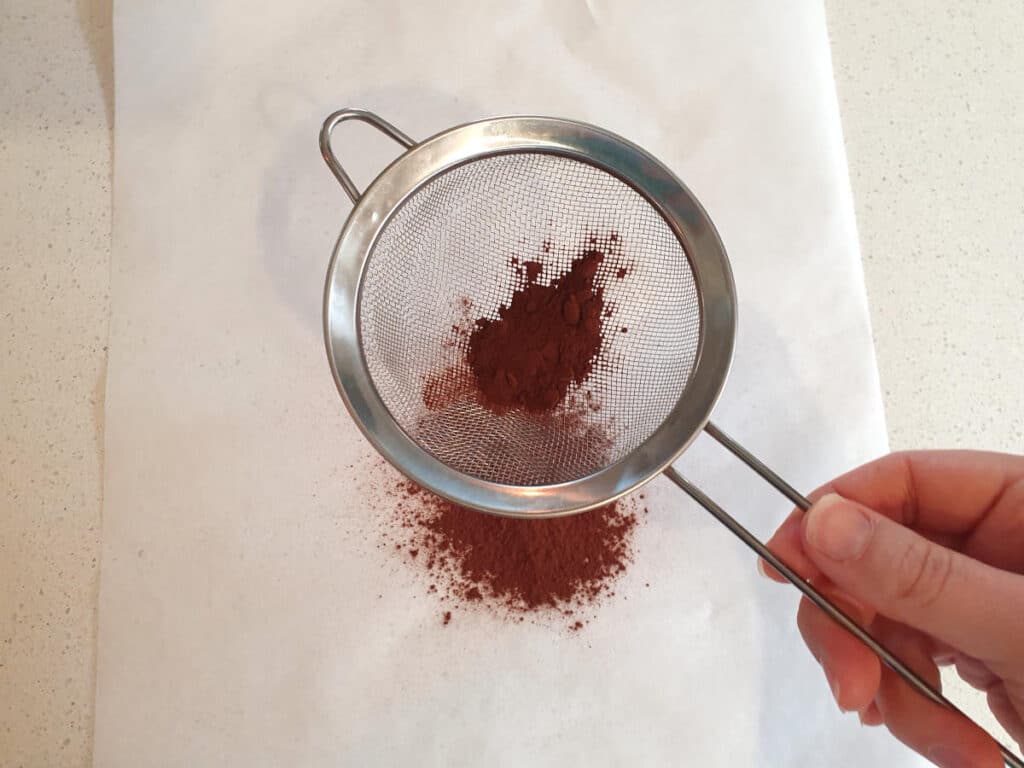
246,616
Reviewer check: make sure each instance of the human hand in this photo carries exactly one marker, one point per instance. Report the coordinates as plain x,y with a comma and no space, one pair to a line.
926,551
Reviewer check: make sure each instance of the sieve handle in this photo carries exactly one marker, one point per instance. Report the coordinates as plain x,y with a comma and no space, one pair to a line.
811,592
337,118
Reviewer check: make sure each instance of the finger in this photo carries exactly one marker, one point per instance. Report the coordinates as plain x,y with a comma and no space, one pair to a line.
787,544
942,491
943,654
965,603
943,736
975,673
871,716
766,570
853,672
998,539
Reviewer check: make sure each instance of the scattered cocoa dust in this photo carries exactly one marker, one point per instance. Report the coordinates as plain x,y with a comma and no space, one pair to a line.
513,567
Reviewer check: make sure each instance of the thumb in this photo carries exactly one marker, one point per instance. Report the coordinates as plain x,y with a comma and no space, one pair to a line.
906,577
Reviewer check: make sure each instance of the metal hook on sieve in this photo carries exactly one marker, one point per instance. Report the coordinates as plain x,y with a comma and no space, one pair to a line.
333,121
805,586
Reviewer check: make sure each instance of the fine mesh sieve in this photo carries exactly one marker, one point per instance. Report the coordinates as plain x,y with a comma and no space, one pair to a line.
447,249
428,247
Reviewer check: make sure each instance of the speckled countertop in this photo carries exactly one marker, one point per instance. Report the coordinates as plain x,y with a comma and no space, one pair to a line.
931,97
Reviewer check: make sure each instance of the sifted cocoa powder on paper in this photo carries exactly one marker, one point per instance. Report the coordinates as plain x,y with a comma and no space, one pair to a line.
513,566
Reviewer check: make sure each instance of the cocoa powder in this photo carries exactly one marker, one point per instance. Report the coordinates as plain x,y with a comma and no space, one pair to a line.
544,340
512,566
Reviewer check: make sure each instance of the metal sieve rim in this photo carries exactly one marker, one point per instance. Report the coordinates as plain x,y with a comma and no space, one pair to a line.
422,163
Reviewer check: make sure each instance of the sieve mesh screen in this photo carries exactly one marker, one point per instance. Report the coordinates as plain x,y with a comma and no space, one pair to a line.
444,258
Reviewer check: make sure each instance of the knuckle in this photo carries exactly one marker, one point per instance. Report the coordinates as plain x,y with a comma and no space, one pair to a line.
922,575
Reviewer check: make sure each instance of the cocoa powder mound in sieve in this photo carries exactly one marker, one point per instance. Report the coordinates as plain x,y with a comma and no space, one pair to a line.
544,340
541,344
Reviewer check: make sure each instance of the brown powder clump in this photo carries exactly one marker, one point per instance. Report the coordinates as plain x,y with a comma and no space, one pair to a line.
514,565
544,340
